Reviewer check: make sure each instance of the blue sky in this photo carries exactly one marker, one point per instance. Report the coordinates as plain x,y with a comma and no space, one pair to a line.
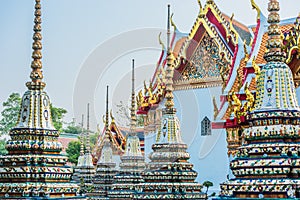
77,32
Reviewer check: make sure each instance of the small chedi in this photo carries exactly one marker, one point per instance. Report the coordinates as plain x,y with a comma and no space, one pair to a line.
132,161
87,169
267,164
77,169
169,175
106,168
34,167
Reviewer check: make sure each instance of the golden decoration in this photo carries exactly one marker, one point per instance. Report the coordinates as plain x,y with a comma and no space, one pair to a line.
256,68
139,98
249,105
145,89
172,22
255,6
236,105
112,117
161,42
232,29
216,110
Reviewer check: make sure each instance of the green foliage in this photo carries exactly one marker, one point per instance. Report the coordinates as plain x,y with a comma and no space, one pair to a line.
10,113
72,129
3,151
73,151
208,184
57,116
93,139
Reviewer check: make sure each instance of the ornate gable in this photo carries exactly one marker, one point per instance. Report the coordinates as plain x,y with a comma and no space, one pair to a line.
204,62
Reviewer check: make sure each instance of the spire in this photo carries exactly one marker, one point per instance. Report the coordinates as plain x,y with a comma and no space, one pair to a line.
170,71
81,137
106,155
275,85
168,28
107,131
132,110
88,147
36,74
106,113
274,43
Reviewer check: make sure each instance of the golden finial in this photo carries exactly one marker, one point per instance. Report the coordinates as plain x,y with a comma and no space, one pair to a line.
255,6
133,106
250,99
36,74
112,117
274,43
232,29
172,22
145,88
256,68
216,110
150,85
161,42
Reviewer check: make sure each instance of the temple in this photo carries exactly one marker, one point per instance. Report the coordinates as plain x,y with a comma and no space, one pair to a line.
267,163
116,137
132,163
34,167
241,86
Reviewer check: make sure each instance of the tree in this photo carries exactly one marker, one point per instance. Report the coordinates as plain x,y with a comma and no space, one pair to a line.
57,115
10,113
73,151
3,151
73,129
208,184
93,139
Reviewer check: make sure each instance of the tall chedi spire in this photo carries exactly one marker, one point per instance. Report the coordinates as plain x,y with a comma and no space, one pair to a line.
36,74
169,175
132,161
87,170
34,167
106,168
268,164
